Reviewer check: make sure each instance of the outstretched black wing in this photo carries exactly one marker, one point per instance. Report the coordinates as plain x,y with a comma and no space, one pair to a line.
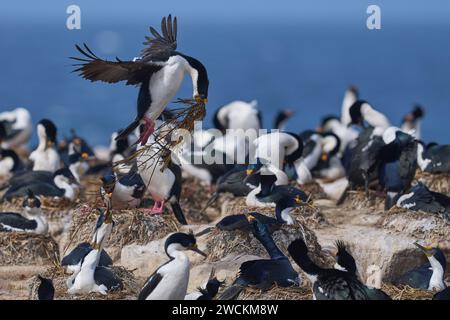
160,47
93,68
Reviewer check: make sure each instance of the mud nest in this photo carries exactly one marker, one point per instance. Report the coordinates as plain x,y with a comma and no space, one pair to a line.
404,292
223,243
129,292
437,182
303,292
194,196
131,226
22,248
357,199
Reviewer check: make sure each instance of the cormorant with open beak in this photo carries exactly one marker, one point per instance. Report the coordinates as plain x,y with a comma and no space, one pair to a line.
159,72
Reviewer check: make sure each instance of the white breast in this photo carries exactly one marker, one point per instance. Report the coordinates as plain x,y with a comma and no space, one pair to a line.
46,160
164,84
159,183
6,166
174,283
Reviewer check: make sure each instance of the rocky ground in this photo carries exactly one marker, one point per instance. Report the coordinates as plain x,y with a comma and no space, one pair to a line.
381,242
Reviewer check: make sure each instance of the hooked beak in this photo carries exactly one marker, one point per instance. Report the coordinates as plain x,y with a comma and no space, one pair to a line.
196,249
428,250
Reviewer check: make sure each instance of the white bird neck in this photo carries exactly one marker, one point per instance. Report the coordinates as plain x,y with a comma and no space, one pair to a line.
69,191
421,161
437,278
174,252
42,136
374,117
89,264
37,215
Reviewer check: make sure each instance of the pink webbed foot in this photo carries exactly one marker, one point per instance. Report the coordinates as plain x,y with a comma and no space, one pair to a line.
149,128
158,208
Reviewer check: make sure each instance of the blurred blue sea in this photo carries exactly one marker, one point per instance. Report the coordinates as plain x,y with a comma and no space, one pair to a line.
284,54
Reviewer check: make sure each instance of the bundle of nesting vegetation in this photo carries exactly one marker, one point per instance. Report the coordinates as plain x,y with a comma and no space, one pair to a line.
438,182
182,118
194,197
223,243
129,291
405,292
23,248
302,292
130,226
358,199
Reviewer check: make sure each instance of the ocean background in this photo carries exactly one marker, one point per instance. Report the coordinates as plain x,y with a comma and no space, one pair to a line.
291,54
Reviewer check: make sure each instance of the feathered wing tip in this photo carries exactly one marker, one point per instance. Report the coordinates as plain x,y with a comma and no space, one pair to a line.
168,30
341,246
298,248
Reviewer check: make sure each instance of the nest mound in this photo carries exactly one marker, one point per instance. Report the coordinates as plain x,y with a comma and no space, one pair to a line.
53,208
131,226
313,189
194,196
303,292
129,292
223,243
311,216
429,227
437,182
357,199
22,248
404,292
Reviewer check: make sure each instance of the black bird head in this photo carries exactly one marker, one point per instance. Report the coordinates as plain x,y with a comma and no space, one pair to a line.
354,89
433,252
46,290
212,287
67,174
281,117
417,113
198,71
253,168
344,258
325,121
355,113
331,145
50,132
31,201
182,241
109,182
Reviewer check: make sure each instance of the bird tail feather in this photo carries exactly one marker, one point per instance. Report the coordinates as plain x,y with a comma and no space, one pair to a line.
231,293
176,208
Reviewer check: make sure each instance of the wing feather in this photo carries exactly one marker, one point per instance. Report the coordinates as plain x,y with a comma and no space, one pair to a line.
161,46
94,68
